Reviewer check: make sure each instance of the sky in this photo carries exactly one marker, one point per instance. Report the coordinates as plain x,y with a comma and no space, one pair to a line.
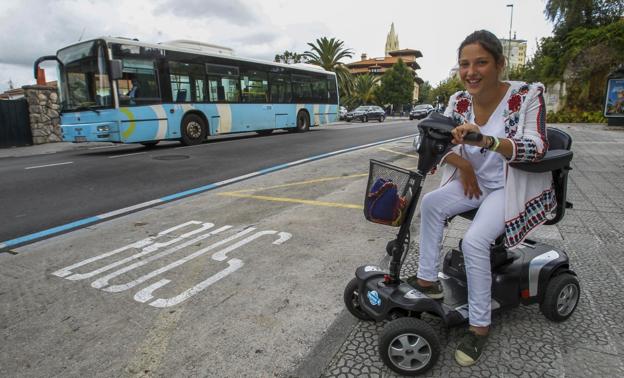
262,28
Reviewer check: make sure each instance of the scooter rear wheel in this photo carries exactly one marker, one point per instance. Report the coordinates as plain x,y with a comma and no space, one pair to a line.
352,301
409,346
561,297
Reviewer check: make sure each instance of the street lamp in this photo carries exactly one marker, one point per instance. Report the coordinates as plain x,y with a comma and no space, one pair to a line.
509,41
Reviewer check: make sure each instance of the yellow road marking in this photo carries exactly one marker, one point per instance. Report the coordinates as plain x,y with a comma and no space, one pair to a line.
300,183
240,193
398,153
294,200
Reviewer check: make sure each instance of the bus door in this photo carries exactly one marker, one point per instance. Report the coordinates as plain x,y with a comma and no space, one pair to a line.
256,111
223,91
281,98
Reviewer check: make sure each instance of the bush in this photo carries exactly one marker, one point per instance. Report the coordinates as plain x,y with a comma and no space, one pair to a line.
575,116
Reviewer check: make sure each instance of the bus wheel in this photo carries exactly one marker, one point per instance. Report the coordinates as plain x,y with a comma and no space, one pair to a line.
193,130
303,122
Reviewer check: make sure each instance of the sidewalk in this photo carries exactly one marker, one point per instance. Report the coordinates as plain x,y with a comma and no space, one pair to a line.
522,342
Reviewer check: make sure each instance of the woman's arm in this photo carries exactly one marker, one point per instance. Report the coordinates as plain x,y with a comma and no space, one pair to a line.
530,143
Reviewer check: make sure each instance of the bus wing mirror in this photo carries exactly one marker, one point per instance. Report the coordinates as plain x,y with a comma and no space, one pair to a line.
116,69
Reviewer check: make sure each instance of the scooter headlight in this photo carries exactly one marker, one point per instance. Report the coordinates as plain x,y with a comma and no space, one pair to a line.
417,142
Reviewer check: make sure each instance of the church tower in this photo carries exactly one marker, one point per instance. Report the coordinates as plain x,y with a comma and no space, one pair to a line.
392,41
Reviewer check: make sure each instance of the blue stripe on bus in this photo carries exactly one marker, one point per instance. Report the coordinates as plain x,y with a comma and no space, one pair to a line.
186,193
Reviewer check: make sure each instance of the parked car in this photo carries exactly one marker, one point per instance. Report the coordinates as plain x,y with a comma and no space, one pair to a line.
365,113
342,114
421,111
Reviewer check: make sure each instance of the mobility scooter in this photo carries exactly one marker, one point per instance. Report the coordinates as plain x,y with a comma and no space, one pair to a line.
532,273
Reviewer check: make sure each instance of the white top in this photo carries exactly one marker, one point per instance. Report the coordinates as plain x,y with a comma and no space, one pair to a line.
489,166
529,197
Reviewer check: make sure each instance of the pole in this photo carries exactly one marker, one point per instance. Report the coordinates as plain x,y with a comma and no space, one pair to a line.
509,42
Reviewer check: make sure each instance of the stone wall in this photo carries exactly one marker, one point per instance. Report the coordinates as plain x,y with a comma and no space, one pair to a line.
44,108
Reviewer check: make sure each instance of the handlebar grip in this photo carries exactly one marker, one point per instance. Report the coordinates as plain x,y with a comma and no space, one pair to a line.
473,137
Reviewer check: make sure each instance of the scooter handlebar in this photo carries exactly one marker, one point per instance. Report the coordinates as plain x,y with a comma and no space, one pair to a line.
473,137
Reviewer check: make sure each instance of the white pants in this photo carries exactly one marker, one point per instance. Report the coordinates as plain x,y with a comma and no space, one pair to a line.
488,224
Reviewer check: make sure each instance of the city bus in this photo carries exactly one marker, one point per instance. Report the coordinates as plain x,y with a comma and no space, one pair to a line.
124,91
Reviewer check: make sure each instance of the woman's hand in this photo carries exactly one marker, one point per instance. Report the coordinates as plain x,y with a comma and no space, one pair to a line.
460,132
468,179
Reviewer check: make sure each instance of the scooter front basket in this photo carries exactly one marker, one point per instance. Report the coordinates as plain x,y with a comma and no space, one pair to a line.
388,193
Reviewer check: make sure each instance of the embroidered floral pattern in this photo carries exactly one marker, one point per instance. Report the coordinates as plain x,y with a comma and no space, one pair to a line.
511,114
462,105
514,102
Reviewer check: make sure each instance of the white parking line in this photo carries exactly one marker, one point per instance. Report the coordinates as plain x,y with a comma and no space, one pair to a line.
49,165
118,156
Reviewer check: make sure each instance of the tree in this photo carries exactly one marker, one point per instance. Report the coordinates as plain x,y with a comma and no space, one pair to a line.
289,57
446,88
424,93
327,53
363,91
569,14
397,85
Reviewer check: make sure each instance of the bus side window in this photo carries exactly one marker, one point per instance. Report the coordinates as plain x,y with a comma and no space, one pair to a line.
220,93
139,83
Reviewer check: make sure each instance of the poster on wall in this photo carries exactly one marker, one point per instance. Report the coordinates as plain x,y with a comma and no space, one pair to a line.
614,104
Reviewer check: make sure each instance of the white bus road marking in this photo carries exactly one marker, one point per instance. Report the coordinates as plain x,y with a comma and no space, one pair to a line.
124,155
148,245
49,165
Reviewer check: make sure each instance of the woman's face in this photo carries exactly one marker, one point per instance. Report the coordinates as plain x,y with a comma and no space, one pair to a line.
478,70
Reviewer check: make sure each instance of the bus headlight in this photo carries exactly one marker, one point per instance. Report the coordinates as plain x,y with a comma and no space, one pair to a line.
103,129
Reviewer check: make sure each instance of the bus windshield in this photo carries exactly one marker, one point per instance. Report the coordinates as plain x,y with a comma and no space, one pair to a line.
83,79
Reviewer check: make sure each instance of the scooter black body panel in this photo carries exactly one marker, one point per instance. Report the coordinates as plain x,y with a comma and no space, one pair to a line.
522,279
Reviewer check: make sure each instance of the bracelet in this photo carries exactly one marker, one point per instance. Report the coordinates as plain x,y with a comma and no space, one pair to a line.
495,144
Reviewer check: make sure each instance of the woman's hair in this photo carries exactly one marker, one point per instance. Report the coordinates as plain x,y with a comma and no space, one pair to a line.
488,41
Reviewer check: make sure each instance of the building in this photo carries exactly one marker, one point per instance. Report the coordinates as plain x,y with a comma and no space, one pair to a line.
518,47
378,66
17,93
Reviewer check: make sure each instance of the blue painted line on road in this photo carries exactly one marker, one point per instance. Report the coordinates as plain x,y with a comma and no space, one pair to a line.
49,232
86,221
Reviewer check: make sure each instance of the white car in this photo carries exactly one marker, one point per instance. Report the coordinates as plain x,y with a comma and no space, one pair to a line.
342,113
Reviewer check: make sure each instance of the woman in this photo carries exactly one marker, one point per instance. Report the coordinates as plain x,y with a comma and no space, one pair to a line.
511,116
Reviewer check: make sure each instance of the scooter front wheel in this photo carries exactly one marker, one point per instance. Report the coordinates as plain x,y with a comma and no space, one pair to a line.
409,346
352,300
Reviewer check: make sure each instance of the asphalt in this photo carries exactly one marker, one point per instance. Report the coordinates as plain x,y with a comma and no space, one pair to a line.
283,315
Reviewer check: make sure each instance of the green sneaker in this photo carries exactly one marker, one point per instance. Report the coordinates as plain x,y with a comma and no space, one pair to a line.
470,348
434,291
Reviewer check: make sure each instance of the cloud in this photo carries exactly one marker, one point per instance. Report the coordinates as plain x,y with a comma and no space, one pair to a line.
38,28
232,11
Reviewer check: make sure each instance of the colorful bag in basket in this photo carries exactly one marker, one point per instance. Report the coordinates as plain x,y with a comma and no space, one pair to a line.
383,203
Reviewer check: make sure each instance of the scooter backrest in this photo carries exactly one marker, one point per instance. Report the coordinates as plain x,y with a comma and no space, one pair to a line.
558,140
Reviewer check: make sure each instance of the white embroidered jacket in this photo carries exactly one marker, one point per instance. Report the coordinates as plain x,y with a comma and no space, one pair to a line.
529,197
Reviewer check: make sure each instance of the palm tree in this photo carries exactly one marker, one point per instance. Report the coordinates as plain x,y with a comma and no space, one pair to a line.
327,53
364,87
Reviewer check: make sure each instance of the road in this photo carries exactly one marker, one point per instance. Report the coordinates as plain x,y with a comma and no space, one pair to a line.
242,280
45,191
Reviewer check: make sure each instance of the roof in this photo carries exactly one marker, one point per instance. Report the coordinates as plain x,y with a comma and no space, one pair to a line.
406,52
187,47
388,61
